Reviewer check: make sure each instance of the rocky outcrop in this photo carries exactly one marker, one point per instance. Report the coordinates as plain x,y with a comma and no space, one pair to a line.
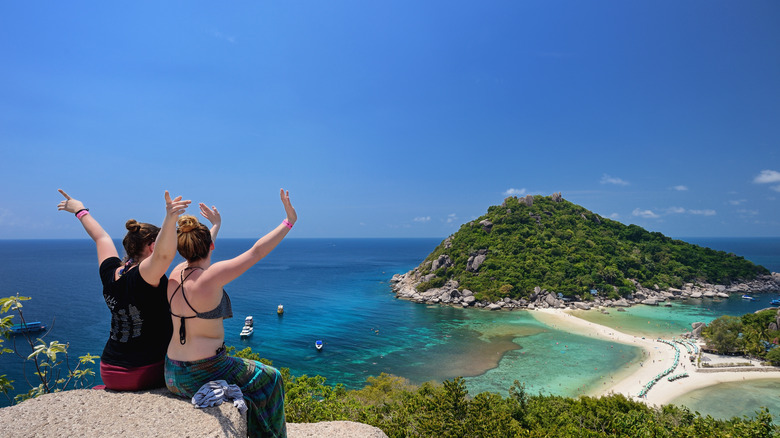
486,225
443,261
475,260
405,287
155,413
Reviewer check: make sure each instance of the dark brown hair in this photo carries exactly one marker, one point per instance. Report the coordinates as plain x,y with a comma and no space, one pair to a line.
194,239
139,235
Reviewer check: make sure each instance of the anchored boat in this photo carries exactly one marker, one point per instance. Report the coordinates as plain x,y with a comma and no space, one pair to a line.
29,327
248,328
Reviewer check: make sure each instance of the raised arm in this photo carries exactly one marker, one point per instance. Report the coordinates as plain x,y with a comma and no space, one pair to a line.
222,273
154,266
105,246
213,216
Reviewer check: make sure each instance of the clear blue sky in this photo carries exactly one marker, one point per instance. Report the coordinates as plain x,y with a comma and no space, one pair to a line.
390,119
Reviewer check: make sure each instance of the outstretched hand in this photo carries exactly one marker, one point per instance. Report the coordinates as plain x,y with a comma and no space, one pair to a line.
211,214
175,207
69,204
292,216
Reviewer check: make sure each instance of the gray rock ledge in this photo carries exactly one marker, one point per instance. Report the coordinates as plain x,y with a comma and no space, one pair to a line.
155,413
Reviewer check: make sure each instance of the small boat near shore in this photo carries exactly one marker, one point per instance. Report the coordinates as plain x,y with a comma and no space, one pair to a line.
248,328
775,302
748,297
318,345
28,327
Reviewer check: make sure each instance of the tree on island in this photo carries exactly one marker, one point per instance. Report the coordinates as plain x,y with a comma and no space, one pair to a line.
753,334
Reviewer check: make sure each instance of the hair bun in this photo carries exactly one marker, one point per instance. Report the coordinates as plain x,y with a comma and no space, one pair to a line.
133,226
187,223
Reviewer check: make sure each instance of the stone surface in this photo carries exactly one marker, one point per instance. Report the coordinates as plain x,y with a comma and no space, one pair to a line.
155,413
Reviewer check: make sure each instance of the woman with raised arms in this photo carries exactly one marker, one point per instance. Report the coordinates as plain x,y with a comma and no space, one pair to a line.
134,291
198,305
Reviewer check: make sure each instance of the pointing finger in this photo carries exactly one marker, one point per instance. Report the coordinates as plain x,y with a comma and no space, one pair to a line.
64,194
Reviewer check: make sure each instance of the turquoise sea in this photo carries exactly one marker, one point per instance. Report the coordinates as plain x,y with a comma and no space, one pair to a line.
337,290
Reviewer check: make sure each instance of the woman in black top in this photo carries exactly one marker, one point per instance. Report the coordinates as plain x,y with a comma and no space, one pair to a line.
135,293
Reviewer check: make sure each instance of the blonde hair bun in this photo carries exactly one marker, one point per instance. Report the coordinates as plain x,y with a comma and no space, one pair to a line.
187,223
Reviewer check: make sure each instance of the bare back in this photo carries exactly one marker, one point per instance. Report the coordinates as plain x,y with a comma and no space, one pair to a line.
202,337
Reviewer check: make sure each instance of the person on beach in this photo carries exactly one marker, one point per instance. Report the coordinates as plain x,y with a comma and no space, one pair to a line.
134,290
198,305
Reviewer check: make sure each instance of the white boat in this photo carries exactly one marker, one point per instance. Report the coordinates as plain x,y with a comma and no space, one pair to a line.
248,328
747,297
318,344
280,309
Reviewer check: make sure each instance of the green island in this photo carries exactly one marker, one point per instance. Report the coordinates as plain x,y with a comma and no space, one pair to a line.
549,243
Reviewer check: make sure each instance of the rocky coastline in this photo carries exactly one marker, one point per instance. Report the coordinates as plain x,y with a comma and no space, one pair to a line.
405,287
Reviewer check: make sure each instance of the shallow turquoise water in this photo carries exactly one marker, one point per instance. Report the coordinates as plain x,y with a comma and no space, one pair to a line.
726,400
667,322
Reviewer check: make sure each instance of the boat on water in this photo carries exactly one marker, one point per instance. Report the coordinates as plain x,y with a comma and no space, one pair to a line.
775,302
280,309
318,344
747,297
28,327
248,328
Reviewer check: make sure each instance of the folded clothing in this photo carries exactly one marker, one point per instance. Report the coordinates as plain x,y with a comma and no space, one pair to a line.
217,391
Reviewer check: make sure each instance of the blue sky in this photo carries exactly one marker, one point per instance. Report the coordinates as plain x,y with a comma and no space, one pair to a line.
390,119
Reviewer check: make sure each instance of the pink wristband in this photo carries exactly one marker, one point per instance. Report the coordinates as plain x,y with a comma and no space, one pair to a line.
287,223
82,213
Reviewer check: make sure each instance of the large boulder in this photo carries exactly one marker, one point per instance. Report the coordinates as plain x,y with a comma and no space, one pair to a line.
443,261
155,413
476,260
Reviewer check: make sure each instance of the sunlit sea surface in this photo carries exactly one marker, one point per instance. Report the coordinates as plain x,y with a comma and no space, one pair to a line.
337,290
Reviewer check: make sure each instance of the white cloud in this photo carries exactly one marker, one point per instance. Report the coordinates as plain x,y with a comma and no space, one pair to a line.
647,214
675,210
514,192
451,218
767,176
775,188
606,179
737,201
614,216
703,212
221,36
680,188
748,212
422,219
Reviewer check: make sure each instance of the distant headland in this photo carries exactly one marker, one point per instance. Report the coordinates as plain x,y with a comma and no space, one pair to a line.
546,252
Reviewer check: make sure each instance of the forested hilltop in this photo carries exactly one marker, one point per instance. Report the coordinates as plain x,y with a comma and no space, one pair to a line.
553,244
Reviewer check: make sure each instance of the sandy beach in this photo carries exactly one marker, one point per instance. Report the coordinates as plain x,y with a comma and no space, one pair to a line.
657,358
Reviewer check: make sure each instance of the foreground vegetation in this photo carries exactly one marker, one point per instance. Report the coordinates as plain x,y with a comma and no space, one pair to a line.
563,247
447,410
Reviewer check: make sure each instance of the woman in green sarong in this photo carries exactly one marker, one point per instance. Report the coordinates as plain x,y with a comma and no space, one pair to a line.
198,305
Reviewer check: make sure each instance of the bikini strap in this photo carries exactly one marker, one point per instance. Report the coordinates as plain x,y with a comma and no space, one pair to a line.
182,327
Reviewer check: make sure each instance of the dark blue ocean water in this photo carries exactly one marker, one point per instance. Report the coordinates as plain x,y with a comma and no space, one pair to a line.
332,289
